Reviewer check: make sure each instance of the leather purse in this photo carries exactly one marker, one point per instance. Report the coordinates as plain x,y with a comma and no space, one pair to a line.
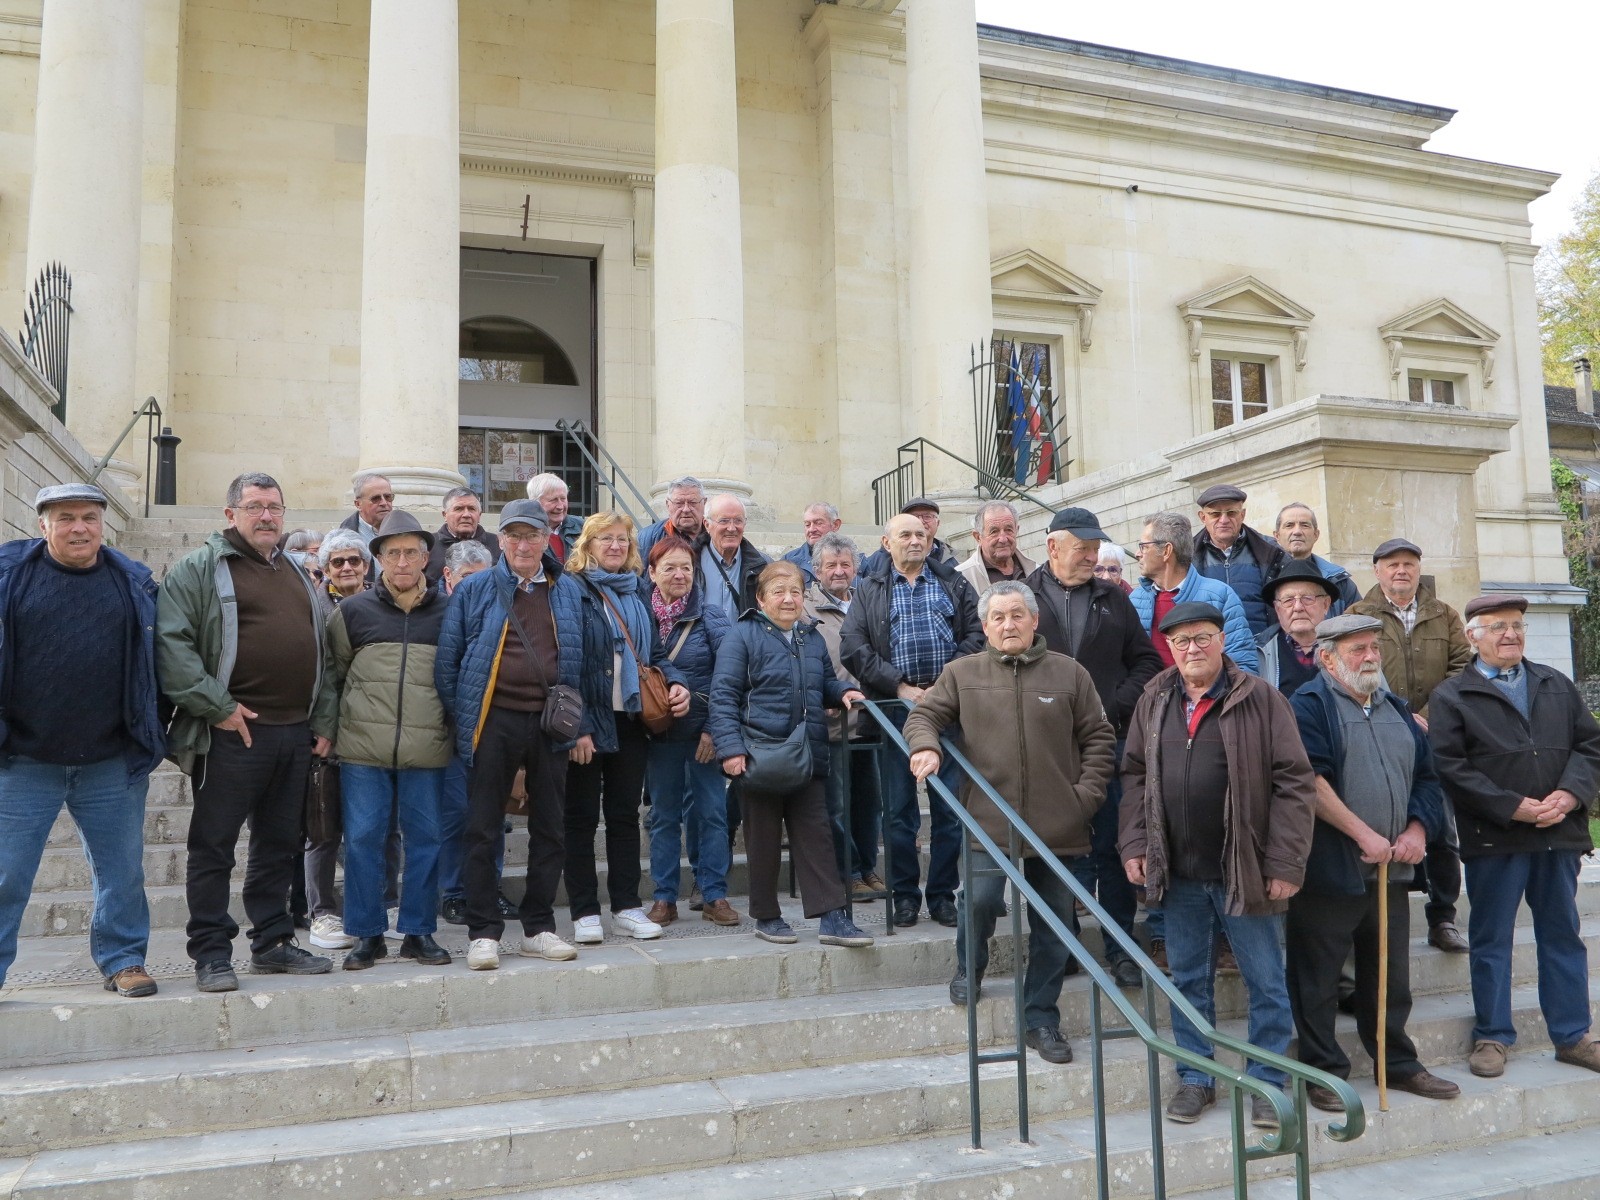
655,708
779,765
324,816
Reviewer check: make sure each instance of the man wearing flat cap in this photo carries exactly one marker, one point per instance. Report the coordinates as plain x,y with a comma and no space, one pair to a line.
1217,810
1228,550
926,510
77,612
1423,645
1519,755
1378,800
1300,599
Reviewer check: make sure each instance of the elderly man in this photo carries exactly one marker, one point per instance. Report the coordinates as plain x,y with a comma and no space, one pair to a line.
728,564
374,499
909,618
926,511
1297,532
239,651
550,493
1032,723
994,528
818,520
1378,799
828,599
463,522
1301,598
1423,645
78,722
686,515
1170,578
1091,620
1519,754
1217,811
1229,551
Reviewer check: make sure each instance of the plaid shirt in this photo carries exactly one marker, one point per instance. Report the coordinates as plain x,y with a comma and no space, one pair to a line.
921,628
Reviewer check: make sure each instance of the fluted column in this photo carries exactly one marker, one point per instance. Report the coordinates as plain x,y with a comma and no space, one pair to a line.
411,259
85,208
951,305
698,259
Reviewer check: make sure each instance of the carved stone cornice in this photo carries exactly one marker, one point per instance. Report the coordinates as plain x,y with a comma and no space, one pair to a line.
486,152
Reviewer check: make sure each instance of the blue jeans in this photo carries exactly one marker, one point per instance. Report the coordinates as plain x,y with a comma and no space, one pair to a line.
679,788
1047,954
107,804
944,838
1101,870
1496,886
453,833
1194,911
370,795
857,851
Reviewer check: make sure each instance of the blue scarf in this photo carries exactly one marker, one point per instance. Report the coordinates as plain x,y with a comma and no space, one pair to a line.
622,588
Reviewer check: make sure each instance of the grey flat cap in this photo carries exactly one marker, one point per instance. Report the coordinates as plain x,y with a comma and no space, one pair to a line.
61,493
524,512
1219,493
1395,546
1335,628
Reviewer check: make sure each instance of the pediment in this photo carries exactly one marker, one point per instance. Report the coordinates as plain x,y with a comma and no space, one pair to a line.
1440,320
1029,275
1247,299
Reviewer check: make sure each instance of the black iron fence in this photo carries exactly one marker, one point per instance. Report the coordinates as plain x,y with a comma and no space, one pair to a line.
46,330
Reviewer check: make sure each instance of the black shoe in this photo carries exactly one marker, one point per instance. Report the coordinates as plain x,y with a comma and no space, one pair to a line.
508,910
365,953
216,976
905,913
1445,936
454,910
944,912
1191,1100
1052,1047
420,947
959,989
286,958
1126,972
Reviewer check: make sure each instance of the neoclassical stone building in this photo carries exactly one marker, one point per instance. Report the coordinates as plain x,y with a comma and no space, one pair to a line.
756,240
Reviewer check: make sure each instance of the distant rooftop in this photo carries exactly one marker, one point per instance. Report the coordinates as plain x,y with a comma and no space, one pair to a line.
1022,37
1561,407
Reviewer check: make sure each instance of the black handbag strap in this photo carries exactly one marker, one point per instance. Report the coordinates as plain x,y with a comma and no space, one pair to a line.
797,672
527,642
716,561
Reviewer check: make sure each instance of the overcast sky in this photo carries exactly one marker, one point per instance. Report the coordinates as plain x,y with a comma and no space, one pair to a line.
1524,78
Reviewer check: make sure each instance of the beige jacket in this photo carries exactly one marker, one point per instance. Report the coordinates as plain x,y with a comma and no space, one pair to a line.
976,571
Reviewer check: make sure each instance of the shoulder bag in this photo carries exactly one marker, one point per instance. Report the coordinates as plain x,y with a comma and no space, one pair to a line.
655,709
324,816
563,706
778,765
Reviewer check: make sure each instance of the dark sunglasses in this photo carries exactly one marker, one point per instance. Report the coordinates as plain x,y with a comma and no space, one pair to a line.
345,562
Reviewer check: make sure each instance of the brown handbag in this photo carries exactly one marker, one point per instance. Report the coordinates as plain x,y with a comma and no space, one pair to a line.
324,816
655,709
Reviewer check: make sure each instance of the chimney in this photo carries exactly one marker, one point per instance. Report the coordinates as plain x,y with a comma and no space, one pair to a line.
1585,381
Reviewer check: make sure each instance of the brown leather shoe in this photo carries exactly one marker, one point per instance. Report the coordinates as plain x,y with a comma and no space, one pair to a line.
132,981
663,912
719,911
1445,936
1427,1085
1324,1098
1581,1054
1488,1059
875,881
862,891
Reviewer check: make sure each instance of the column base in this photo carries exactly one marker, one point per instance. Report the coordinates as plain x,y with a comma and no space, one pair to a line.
420,488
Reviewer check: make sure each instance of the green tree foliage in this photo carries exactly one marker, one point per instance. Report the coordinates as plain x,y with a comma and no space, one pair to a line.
1568,274
1581,543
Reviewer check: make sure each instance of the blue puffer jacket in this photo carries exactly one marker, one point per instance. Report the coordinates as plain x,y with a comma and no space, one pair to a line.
1237,641
696,662
475,629
599,658
757,670
142,698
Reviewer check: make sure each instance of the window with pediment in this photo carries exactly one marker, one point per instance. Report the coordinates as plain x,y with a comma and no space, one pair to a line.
1439,353
1247,341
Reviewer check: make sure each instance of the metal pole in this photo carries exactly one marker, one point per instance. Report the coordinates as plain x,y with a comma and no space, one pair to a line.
1383,987
1158,1152
974,1106
1097,1082
1017,980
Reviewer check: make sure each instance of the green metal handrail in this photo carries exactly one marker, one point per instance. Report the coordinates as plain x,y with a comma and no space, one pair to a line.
1291,1137
575,432
150,411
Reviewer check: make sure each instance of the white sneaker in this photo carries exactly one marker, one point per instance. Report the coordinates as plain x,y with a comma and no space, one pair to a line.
633,923
483,954
547,945
327,932
393,931
586,931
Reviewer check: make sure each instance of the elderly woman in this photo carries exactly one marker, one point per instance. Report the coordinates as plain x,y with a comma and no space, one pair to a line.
1114,566
773,676
345,561
681,767
608,763
462,559
302,546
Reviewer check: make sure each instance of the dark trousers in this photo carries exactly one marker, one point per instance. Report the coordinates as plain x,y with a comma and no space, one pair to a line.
1101,870
805,812
1440,874
264,783
509,741
944,827
1319,935
856,851
615,782
1048,957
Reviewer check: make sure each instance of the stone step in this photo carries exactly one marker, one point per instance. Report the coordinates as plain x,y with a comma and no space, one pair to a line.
164,825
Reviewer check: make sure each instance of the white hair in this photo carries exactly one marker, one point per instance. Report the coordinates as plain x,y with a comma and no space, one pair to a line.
979,517
1112,550
362,478
342,539
540,485
1007,587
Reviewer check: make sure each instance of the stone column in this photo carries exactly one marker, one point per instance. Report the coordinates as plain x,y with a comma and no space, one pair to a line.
85,209
698,259
951,307
411,255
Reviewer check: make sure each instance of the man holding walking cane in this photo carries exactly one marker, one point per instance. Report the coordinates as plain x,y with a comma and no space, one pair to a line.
1378,803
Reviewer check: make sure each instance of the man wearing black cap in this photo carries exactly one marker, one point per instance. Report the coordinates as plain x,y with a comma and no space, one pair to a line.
1092,621
78,722
1227,549
1423,645
1519,754
1300,598
925,510
1218,805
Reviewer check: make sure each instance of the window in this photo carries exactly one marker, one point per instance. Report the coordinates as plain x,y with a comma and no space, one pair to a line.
1430,389
506,350
1241,388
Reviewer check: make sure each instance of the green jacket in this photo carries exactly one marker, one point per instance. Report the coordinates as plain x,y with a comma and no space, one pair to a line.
197,642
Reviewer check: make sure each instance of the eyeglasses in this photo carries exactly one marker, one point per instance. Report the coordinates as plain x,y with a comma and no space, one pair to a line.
1143,546
1499,627
613,540
1298,601
352,561
523,539
1105,570
1184,640
402,553
725,522
386,497
256,508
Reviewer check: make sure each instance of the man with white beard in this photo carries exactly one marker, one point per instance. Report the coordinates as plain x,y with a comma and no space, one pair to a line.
1378,801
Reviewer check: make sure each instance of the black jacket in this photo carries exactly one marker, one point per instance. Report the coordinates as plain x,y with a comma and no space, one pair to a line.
1490,756
864,640
1269,559
1116,651
751,561
443,539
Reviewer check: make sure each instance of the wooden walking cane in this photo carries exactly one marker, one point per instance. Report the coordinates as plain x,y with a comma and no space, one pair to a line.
1383,987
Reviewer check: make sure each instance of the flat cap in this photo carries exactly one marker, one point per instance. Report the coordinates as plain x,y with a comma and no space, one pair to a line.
61,493
1494,602
1395,546
397,522
524,512
916,502
1219,492
1189,611
1297,570
1335,628
1080,523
